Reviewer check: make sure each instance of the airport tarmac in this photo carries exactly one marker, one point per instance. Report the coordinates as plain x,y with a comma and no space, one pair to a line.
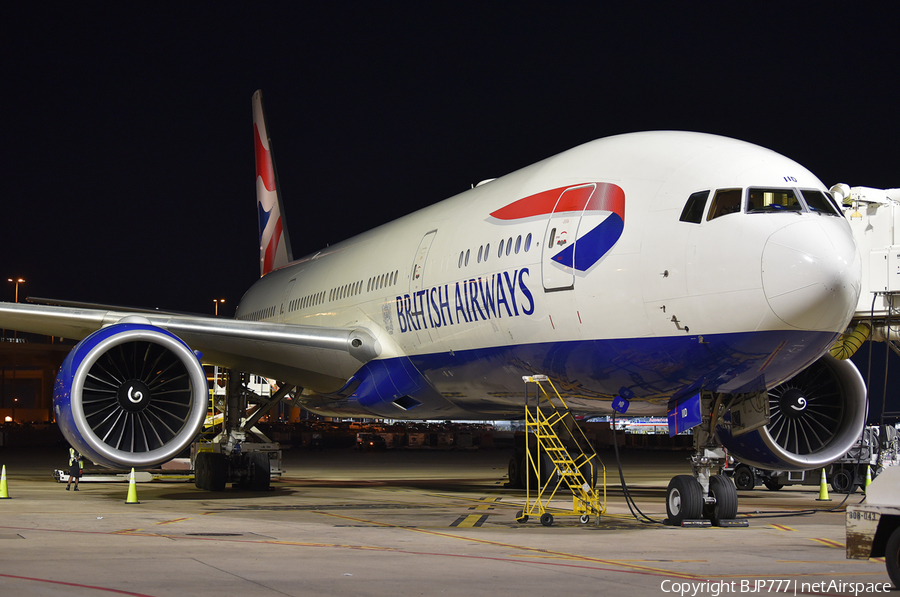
404,522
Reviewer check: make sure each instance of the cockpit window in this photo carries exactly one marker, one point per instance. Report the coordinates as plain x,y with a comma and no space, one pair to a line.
726,201
772,200
819,203
693,209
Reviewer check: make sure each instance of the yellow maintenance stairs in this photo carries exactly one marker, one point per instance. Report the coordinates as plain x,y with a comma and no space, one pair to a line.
560,457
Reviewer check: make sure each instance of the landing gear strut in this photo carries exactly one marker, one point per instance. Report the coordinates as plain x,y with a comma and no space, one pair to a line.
240,453
707,494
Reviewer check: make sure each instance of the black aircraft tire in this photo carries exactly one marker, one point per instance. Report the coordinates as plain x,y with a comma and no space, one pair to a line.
260,476
772,485
201,471
515,481
744,477
525,472
892,557
588,470
548,470
842,481
218,471
725,508
683,499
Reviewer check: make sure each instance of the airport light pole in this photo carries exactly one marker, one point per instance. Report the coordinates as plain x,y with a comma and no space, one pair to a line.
217,301
17,281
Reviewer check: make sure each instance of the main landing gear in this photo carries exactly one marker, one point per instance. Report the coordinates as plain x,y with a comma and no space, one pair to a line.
240,453
707,496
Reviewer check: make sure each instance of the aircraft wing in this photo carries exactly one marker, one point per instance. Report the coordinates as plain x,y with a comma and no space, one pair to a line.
317,358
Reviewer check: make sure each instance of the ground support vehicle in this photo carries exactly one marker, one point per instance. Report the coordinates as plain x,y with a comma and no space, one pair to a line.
563,458
370,441
873,528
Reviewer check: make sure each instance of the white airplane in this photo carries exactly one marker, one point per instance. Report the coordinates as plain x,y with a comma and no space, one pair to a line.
679,273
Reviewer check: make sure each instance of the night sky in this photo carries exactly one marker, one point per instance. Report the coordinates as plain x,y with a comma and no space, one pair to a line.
128,172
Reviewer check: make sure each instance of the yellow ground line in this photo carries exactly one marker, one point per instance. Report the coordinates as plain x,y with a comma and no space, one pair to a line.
799,574
828,542
829,561
174,520
469,521
617,561
489,504
549,553
492,500
781,527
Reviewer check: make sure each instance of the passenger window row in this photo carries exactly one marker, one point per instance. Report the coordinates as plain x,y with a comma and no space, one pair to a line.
259,314
310,300
344,291
382,281
374,283
504,248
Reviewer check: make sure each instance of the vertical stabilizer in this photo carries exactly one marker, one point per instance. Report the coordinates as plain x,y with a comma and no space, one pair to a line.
274,245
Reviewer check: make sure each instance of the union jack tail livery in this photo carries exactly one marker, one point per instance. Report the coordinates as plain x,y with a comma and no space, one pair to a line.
274,245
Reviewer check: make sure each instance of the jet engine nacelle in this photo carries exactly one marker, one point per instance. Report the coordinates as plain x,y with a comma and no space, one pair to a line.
815,418
130,395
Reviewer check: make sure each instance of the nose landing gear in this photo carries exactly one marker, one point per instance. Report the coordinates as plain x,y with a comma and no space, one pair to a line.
706,497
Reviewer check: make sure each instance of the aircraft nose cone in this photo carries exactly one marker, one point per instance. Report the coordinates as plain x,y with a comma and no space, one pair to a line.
811,274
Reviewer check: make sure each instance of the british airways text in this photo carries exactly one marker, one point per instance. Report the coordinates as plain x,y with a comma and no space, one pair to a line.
504,294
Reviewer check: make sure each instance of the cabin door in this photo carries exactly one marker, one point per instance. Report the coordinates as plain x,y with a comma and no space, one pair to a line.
417,275
560,236
285,300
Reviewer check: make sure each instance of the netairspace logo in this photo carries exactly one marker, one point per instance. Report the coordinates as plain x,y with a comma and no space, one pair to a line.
790,587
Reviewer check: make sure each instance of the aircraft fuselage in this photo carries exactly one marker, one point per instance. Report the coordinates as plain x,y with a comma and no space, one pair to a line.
605,267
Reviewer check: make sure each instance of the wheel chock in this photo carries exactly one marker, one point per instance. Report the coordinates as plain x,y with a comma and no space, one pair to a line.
734,522
696,523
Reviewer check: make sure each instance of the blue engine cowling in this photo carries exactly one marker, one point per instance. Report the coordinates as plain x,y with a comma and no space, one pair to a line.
130,395
814,418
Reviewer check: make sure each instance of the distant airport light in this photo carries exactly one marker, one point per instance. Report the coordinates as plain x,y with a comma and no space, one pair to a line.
8,419
17,281
217,301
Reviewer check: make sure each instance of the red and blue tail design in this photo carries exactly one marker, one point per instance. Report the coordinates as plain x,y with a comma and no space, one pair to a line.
274,245
588,200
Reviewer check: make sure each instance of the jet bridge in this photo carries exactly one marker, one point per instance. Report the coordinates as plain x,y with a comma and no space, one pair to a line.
874,217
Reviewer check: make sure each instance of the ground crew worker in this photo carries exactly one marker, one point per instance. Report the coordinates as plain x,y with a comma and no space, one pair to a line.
76,465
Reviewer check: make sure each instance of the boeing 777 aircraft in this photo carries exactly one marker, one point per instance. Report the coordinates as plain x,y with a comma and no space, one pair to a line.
671,271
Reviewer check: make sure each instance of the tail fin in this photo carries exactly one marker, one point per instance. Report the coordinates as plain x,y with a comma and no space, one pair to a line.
274,244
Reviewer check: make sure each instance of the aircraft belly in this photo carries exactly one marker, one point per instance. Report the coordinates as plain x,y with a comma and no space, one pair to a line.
649,369
487,383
